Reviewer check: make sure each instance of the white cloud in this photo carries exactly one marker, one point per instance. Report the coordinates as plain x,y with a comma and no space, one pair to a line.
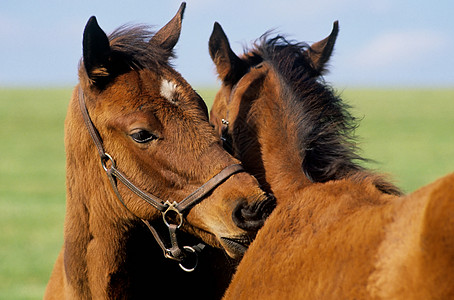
400,47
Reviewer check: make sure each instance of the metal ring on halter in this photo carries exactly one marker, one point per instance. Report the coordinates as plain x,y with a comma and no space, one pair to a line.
106,158
193,251
172,207
168,254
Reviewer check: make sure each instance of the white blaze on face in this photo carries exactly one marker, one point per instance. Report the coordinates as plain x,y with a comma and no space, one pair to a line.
169,90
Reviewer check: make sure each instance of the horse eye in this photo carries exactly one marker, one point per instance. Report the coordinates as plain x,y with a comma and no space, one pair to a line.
143,136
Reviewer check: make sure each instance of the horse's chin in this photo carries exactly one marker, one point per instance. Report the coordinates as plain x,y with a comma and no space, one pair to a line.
234,247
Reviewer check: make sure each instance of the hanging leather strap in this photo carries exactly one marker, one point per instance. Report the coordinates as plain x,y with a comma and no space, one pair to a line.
89,124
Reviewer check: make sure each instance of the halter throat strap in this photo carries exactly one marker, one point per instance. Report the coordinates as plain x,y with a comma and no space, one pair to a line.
114,175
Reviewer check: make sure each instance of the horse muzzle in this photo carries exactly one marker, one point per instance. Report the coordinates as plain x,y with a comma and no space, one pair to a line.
251,216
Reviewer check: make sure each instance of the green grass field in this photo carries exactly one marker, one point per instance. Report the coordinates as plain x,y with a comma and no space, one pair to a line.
409,133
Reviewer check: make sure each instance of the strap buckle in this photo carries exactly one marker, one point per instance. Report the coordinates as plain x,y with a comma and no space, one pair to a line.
171,213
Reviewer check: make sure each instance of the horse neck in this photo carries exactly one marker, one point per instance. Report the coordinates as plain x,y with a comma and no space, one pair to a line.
86,182
90,202
280,147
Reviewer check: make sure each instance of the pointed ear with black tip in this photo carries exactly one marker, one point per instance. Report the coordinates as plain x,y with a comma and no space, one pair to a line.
228,65
167,37
96,51
320,52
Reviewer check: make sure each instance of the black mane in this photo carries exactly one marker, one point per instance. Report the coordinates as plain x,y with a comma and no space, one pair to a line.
325,127
133,46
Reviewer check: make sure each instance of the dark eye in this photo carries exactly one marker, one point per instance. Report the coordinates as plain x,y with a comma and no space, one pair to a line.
143,136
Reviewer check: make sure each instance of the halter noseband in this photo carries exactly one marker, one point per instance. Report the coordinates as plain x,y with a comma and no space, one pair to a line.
165,207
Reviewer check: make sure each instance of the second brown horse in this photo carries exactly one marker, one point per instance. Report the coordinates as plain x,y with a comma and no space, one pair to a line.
338,231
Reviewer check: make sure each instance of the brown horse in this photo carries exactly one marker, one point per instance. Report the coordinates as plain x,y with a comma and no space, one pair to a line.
338,231
150,129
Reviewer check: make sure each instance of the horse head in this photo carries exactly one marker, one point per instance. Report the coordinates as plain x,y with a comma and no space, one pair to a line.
155,129
245,109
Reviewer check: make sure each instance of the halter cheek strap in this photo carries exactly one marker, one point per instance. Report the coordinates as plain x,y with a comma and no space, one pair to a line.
165,207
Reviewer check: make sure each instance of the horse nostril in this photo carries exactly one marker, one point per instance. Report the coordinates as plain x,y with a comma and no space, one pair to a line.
251,216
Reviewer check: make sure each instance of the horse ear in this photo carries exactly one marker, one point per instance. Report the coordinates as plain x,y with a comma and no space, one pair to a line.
96,50
320,52
167,37
228,65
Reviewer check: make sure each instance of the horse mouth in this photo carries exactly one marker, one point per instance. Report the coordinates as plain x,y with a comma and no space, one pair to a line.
235,247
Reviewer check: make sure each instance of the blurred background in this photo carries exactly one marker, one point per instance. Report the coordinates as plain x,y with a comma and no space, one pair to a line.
381,42
393,63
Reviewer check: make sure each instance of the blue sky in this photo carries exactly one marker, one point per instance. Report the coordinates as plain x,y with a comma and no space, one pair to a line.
382,43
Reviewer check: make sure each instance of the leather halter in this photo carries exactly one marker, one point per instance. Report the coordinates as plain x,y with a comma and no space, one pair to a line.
226,137
165,207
